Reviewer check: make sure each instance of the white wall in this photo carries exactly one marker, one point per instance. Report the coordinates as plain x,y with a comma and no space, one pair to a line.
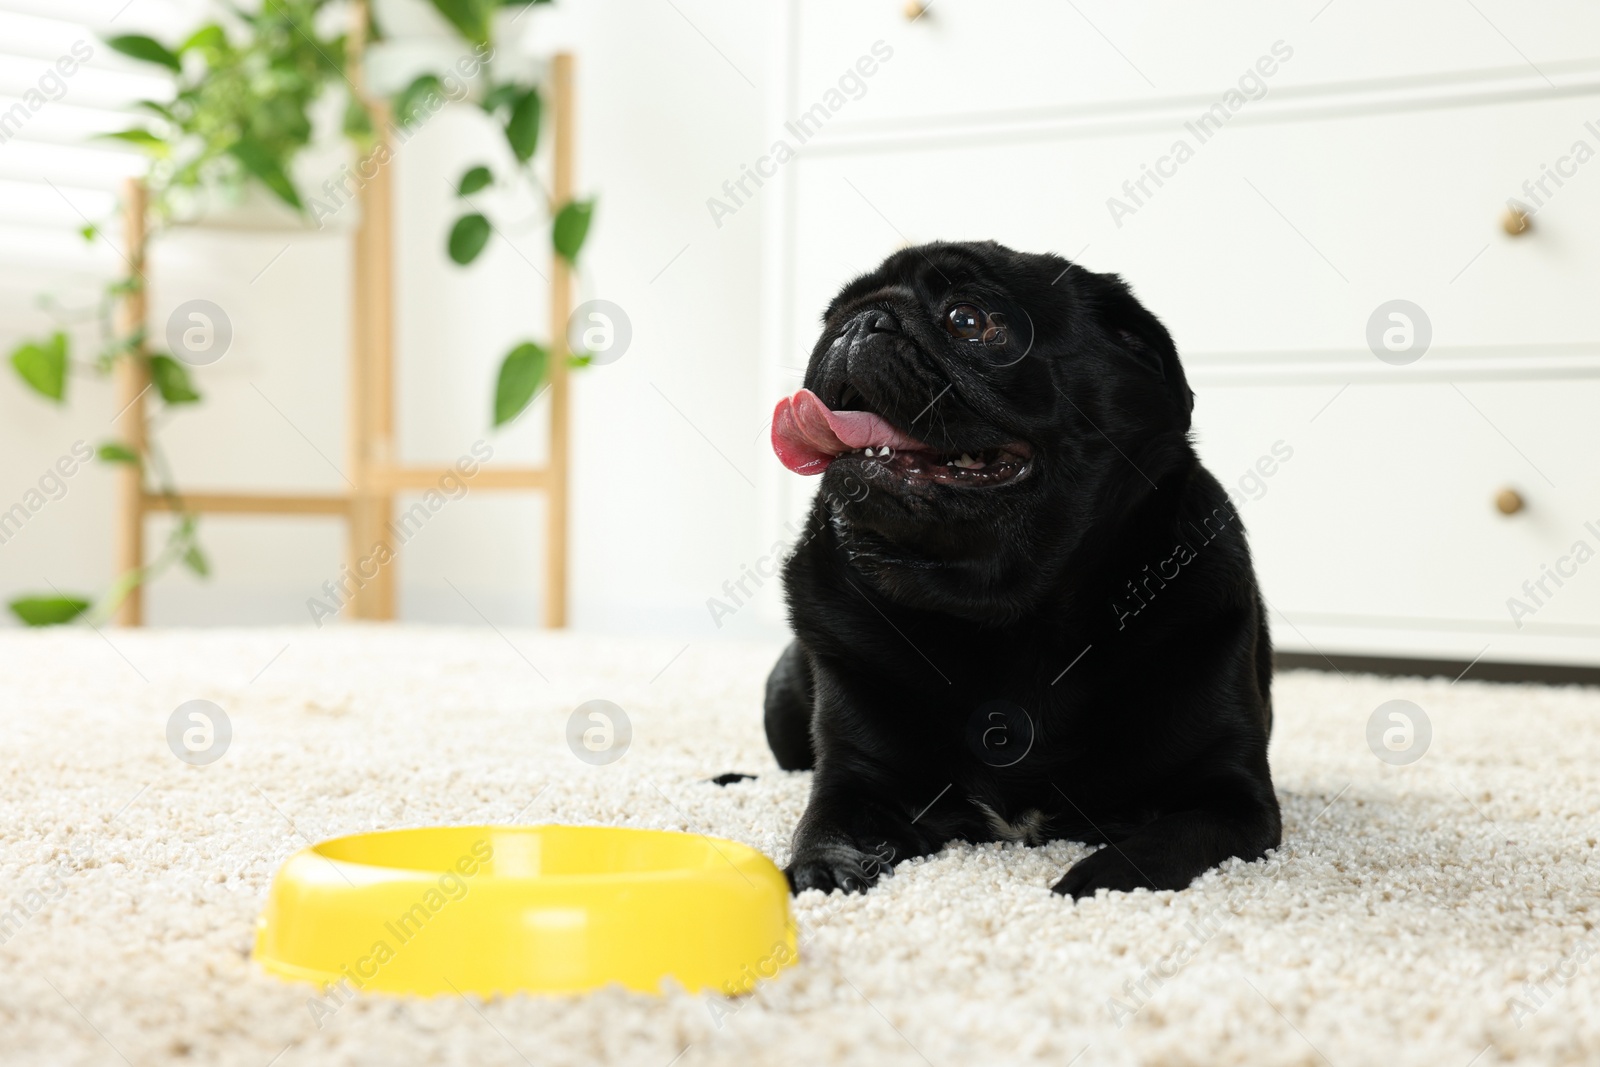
670,105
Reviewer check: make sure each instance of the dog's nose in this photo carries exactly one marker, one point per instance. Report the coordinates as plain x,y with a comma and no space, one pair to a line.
878,321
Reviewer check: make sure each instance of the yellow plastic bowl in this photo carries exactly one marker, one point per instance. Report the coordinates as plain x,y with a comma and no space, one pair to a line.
550,909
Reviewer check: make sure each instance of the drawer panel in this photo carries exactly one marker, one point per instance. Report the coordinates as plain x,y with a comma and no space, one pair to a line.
977,56
1384,514
1274,237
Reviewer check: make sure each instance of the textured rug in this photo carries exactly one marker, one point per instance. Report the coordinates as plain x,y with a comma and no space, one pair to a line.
1434,901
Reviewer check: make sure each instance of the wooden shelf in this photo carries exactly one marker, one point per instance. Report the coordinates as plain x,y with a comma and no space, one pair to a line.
368,509
250,504
394,479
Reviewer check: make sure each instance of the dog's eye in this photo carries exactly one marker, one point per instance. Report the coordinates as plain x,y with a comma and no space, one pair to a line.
965,323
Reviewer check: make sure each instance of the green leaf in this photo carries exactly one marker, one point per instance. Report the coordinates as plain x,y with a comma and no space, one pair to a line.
117,452
521,373
158,108
44,366
330,55
140,138
469,17
571,228
48,610
473,180
89,232
209,37
147,49
467,238
196,561
357,121
266,166
411,103
522,129
501,96
172,380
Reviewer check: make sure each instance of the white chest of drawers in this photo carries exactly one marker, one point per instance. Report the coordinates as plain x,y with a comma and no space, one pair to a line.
1267,182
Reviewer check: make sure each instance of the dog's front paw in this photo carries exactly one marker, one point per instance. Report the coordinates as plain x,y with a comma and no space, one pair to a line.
1109,869
837,865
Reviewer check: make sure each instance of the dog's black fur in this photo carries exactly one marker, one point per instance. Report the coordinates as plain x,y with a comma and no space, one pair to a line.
1099,613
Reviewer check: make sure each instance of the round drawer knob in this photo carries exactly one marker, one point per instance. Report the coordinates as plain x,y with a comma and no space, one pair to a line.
1509,502
1516,221
914,10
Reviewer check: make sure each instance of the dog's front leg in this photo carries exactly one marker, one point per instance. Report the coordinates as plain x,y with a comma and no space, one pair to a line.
850,835
1240,819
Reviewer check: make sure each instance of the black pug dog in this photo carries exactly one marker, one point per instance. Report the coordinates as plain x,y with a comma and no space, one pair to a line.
1023,610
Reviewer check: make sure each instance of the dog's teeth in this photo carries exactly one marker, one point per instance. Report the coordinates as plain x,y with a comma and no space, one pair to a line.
968,463
866,451
884,451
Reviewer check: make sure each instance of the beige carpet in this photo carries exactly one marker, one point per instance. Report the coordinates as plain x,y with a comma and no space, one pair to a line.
1440,913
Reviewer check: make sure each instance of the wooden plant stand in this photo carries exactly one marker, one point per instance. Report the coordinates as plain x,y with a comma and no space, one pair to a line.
368,508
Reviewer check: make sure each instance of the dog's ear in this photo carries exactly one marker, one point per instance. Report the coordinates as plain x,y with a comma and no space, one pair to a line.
1141,336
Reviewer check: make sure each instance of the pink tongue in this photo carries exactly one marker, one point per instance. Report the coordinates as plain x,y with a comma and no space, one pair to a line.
807,436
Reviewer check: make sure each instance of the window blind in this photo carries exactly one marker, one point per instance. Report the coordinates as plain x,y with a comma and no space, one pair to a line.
60,86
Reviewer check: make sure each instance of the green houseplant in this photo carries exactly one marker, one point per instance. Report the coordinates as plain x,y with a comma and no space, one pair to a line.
241,111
